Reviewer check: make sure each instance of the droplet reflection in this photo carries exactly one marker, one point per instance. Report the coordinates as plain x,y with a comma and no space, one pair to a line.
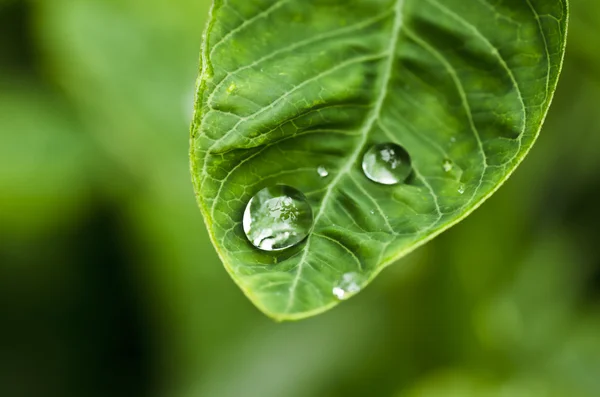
349,285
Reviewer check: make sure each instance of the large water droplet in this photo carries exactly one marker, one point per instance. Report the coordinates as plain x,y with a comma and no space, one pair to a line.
277,217
387,163
349,285
322,171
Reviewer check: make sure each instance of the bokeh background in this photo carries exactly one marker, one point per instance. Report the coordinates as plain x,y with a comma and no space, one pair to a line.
109,285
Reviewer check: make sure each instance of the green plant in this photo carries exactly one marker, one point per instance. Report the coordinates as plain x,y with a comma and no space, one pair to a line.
297,92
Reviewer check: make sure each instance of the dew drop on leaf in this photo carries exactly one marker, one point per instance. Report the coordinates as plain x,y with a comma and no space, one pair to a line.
277,217
461,189
231,88
349,285
447,165
387,163
322,171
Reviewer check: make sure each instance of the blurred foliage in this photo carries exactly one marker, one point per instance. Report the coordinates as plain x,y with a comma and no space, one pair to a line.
110,287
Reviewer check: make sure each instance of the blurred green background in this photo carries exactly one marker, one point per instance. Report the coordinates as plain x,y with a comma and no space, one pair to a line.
109,285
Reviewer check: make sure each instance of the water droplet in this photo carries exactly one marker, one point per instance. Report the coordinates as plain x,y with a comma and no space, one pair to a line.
387,163
452,139
231,88
447,165
349,285
461,189
277,217
323,173
372,212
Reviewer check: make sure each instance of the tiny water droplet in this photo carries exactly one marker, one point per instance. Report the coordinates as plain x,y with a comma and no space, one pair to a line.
231,88
372,212
447,165
453,139
387,163
349,285
461,189
322,171
277,217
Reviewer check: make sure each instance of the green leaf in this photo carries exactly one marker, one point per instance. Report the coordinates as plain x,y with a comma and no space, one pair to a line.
289,86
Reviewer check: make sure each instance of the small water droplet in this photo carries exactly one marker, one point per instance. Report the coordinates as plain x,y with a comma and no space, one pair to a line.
452,139
461,189
372,212
277,217
387,163
447,165
231,88
322,171
349,285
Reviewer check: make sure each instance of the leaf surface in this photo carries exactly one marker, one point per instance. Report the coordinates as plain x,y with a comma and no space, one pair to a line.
289,86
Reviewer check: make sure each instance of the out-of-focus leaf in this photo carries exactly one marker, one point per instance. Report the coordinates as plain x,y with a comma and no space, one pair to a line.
289,86
44,159
141,71
465,384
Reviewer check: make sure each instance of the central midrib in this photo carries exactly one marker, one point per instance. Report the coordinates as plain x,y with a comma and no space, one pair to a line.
369,123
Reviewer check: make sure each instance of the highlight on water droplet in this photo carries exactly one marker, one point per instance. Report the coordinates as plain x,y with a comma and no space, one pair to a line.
277,217
322,171
447,165
349,285
387,163
461,189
